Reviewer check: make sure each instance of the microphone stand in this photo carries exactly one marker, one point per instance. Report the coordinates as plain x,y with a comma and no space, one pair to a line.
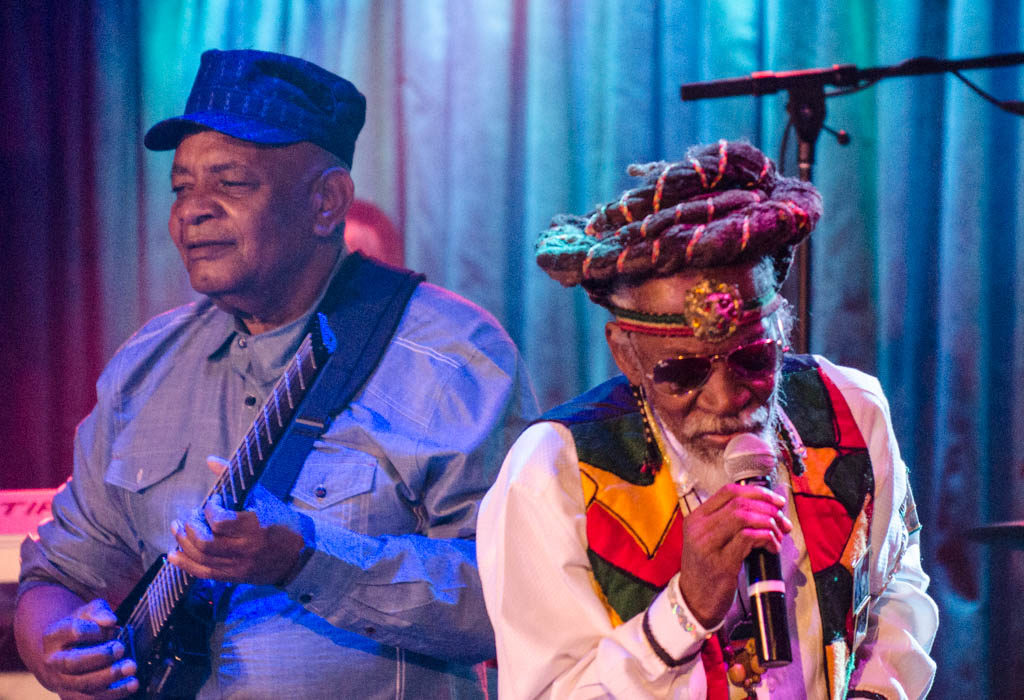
806,109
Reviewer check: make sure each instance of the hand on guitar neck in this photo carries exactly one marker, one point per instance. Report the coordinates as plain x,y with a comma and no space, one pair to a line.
259,545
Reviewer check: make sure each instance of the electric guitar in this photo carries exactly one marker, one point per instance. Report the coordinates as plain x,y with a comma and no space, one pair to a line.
166,620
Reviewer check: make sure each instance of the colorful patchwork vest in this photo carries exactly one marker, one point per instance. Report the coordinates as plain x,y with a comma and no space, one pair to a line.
634,523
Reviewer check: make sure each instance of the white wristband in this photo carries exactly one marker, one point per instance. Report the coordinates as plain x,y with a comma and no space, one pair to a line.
685,618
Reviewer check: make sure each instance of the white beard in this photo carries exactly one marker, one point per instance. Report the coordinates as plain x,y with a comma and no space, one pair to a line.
704,465
707,476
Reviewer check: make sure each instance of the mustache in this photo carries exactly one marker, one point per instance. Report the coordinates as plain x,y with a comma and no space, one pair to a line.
753,421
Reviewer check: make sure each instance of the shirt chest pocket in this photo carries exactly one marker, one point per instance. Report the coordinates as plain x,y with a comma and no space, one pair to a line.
332,478
156,490
142,469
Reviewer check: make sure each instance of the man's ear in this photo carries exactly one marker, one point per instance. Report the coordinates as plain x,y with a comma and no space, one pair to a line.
332,195
623,353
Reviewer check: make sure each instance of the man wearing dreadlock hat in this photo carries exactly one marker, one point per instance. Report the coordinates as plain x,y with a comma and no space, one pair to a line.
612,545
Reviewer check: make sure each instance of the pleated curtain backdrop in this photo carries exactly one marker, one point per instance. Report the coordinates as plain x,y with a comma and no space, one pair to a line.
485,118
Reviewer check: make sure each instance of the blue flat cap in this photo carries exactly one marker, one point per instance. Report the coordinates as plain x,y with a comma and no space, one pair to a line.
267,98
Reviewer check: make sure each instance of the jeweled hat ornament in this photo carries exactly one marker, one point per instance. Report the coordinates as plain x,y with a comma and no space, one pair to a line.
724,204
267,98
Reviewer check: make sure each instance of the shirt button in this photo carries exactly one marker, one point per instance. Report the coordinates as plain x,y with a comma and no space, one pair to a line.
250,400
305,598
242,342
320,491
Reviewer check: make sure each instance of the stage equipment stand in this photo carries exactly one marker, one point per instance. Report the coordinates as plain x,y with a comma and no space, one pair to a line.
806,108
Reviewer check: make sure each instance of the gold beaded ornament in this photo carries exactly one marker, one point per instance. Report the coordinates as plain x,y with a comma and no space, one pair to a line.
712,311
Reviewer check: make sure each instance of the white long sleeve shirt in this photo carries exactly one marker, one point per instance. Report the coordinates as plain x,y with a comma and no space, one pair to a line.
554,636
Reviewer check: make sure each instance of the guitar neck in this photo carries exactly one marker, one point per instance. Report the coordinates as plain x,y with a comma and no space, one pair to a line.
164,586
250,459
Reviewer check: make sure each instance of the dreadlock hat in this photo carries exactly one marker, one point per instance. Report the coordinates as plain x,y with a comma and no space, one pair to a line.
723,205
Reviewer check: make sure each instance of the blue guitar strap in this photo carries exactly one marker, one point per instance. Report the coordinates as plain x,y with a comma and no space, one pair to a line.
362,306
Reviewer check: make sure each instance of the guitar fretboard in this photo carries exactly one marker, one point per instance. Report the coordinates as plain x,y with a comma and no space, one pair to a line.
170,584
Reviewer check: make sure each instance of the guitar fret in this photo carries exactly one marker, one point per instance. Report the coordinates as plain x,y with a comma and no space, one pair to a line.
259,450
138,613
277,405
169,598
248,455
158,599
234,495
177,587
172,592
242,486
288,391
153,607
152,616
163,599
266,425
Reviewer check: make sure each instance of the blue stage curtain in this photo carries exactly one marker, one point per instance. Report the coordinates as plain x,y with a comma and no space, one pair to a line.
486,118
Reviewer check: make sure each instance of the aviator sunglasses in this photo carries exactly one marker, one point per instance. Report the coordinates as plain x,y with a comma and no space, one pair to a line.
684,373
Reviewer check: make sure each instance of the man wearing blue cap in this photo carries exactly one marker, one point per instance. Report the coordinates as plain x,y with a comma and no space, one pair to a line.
365,584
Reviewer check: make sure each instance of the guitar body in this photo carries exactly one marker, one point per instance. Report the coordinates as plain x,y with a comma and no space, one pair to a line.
176,661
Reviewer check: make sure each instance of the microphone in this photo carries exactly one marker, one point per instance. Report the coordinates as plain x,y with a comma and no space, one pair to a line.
751,460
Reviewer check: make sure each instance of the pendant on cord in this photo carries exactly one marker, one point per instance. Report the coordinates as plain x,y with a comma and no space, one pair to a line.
744,669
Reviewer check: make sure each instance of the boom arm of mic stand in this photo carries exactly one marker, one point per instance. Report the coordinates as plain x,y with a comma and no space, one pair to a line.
844,75
769,82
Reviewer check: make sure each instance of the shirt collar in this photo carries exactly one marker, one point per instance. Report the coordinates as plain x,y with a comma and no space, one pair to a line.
225,327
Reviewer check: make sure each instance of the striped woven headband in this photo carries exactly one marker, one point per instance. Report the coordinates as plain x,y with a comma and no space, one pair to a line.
711,311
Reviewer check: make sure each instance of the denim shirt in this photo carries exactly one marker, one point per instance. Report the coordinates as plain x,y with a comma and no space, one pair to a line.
389,605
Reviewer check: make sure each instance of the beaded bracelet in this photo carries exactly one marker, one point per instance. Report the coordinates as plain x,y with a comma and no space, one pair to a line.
683,615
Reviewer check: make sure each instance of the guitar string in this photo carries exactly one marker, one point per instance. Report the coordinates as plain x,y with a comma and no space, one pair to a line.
143,608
